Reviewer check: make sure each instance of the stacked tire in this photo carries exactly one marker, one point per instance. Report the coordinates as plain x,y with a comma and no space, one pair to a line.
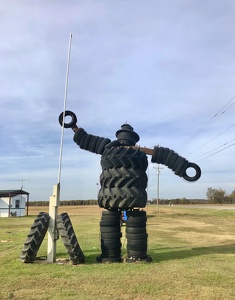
69,239
123,180
137,237
35,238
110,233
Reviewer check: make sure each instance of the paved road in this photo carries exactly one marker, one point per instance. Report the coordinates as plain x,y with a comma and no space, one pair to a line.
229,207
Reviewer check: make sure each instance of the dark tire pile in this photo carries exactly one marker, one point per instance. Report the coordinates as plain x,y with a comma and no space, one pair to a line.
110,232
137,237
123,179
176,163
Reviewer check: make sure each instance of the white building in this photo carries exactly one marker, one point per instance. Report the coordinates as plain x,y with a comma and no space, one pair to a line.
13,203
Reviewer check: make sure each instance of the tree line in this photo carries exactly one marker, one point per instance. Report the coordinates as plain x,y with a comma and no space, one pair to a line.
214,196
65,202
218,196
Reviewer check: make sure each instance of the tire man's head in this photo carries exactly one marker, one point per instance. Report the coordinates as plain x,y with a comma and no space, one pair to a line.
127,136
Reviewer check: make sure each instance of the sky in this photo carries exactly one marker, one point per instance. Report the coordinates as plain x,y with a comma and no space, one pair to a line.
167,68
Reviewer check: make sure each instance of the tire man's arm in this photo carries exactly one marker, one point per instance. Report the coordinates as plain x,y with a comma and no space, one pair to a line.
160,155
84,140
173,161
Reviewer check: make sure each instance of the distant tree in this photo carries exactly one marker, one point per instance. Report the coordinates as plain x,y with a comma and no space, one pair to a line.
232,195
215,196
230,199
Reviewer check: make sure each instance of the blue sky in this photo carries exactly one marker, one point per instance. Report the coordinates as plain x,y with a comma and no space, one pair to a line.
165,67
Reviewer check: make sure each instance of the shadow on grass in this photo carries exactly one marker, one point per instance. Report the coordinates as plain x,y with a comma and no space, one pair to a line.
90,255
199,251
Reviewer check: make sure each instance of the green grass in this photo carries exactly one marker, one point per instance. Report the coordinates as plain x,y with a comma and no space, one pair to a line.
193,253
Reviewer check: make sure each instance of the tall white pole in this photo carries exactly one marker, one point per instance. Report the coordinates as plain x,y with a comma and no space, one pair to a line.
55,198
65,101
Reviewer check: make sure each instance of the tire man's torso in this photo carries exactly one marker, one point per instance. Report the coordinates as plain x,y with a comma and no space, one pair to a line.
123,180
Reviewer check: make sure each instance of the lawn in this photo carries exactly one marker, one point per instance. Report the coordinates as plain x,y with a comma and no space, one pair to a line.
193,253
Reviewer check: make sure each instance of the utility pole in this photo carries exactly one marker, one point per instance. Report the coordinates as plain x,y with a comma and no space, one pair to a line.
158,175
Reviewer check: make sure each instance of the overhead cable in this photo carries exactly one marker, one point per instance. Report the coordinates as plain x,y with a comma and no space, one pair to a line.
216,151
212,138
212,120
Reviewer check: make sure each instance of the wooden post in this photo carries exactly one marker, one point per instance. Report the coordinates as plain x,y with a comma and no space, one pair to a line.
52,229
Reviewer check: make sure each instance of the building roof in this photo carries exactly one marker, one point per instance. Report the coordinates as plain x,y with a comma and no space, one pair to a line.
6,193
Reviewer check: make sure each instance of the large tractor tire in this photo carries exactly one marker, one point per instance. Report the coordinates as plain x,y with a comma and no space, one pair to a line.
35,238
69,239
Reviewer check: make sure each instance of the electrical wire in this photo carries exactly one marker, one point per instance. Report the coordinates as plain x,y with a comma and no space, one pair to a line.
212,139
216,151
212,120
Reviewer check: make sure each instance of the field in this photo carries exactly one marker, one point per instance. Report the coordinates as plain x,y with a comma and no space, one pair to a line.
193,251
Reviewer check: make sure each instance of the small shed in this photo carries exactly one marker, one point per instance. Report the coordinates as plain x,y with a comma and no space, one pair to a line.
14,203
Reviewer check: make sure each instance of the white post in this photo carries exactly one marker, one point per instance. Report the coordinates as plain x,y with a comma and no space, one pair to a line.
52,229
158,175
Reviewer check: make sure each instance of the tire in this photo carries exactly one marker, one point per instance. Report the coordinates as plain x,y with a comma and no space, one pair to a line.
110,218
137,247
109,224
136,224
137,243
137,219
72,123
69,239
35,238
160,155
111,236
92,144
135,230
197,175
106,252
111,246
111,213
123,179
109,229
137,253
124,198
120,177
140,236
124,157
101,259
136,213
165,155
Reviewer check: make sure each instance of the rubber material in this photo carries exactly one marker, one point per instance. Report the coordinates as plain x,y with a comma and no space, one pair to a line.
176,163
197,175
70,124
35,238
69,239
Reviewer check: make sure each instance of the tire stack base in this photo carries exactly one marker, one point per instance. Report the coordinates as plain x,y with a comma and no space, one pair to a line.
110,231
137,237
136,260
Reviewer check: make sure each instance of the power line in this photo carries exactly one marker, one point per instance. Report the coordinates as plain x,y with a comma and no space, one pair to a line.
212,139
214,149
217,151
212,120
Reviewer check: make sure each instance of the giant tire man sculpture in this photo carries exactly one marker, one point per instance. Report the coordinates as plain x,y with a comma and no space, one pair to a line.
123,183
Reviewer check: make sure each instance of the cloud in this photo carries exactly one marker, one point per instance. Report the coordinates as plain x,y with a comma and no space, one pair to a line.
166,68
